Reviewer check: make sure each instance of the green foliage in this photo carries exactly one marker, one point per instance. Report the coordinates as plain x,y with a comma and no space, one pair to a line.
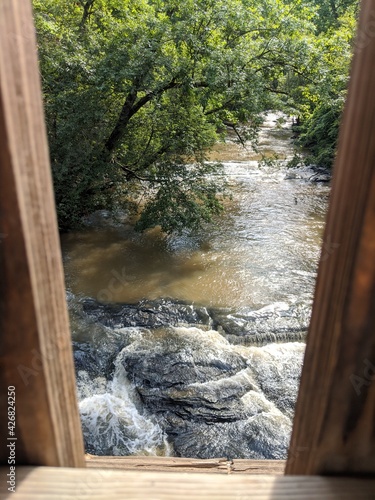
181,203
330,11
137,91
325,96
321,133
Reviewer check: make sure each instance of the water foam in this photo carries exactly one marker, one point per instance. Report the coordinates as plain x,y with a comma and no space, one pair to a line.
112,420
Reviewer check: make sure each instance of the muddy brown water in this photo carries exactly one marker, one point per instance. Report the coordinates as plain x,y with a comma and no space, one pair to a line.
264,248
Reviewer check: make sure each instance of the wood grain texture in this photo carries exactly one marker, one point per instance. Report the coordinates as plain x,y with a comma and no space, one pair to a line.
149,463
35,345
242,466
334,424
46,483
176,464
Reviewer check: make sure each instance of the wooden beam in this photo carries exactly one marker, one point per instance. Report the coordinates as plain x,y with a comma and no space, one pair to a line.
46,483
243,466
177,464
35,346
161,464
334,425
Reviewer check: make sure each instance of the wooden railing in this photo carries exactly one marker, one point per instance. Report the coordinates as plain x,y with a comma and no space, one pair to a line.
334,426
35,345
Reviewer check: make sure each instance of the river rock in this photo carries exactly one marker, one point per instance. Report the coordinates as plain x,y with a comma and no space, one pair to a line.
204,394
279,322
276,369
194,374
95,346
174,357
261,431
321,174
147,313
211,401
264,436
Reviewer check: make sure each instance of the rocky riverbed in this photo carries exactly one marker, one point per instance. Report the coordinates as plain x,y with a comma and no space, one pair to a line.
198,382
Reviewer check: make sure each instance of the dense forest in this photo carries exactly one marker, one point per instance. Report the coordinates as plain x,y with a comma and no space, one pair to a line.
137,91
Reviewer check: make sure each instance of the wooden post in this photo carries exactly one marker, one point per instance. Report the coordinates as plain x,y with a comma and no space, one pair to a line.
35,346
334,425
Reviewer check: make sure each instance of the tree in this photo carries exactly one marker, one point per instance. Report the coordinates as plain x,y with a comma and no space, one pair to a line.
137,91
325,97
330,12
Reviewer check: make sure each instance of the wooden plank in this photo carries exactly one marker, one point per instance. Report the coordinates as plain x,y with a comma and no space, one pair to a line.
334,425
274,467
177,464
150,463
100,484
36,356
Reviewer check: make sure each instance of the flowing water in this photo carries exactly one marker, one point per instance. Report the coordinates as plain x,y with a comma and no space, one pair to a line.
193,345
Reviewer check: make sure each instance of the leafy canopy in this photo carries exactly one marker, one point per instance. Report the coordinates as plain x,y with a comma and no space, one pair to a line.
137,91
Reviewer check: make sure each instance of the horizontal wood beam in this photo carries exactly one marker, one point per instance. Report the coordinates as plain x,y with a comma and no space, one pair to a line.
163,464
270,467
177,464
45,483
334,424
35,346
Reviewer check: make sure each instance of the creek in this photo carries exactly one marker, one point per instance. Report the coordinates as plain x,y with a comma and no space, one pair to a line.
192,345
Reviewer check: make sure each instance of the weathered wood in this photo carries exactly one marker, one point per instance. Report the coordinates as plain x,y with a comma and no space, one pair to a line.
177,464
149,463
239,466
35,346
46,483
334,425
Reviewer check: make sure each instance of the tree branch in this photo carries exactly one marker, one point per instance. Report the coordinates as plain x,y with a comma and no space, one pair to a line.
122,121
219,108
334,9
275,91
130,173
87,11
233,126
132,106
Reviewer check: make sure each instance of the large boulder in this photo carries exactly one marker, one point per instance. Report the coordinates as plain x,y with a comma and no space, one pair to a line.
212,392
174,357
205,395
262,436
